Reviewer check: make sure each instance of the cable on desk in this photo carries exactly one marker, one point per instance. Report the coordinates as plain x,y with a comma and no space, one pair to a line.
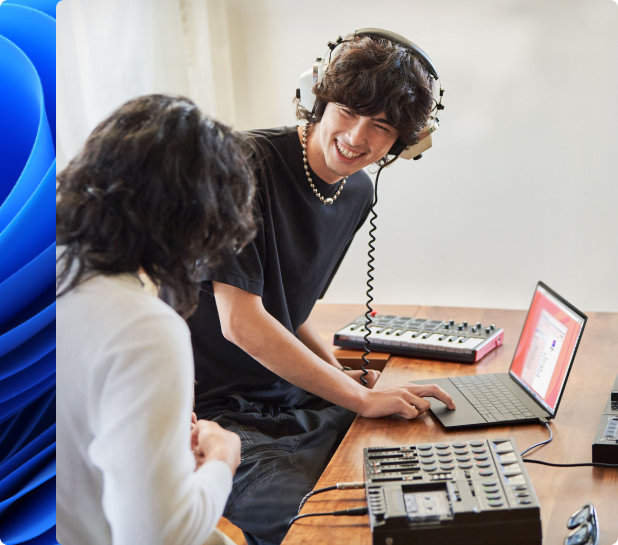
353,512
551,436
338,486
578,464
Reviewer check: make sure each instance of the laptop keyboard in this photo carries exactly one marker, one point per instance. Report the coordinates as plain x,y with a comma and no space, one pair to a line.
491,398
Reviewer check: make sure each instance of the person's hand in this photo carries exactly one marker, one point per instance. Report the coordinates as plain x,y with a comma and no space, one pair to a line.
209,441
405,401
371,377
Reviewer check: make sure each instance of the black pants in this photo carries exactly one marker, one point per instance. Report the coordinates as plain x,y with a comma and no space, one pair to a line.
284,451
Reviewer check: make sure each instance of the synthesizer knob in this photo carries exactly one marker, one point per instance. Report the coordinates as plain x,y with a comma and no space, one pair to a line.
492,327
478,325
465,324
451,322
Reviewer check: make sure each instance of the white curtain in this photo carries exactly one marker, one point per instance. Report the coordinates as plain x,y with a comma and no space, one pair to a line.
108,52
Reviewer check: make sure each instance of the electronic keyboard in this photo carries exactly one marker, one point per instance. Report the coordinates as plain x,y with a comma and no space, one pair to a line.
422,338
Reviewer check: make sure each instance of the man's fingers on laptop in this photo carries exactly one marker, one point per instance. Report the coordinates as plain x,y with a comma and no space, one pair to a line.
422,405
409,411
433,390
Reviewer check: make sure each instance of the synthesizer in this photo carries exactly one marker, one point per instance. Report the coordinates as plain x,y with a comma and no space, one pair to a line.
464,492
422,338
605,444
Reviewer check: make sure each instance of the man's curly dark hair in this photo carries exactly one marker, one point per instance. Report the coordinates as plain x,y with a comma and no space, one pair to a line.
158,186
371,75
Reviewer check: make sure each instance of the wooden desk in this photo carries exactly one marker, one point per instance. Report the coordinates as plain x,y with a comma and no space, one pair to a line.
561,491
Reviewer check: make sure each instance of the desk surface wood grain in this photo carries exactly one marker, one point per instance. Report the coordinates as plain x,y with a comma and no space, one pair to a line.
560,490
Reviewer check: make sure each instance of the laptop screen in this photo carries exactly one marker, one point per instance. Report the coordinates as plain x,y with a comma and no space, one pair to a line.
547,347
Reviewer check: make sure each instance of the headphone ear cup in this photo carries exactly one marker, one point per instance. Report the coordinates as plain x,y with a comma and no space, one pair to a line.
308,80
397,147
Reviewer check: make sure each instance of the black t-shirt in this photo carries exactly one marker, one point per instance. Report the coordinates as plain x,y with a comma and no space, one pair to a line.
290,264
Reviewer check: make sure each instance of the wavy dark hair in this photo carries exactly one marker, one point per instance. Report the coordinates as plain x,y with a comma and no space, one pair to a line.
371,75
158,186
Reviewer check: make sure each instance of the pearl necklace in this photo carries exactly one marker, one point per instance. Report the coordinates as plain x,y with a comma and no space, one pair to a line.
325,200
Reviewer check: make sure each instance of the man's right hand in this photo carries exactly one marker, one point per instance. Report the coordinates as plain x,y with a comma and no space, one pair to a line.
405,401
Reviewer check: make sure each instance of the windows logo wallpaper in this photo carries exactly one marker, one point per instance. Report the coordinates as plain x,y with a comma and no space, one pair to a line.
27,262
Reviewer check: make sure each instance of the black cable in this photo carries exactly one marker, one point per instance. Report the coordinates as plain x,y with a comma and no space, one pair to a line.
370,279
551,436
312,493
578,464
338,486
354,511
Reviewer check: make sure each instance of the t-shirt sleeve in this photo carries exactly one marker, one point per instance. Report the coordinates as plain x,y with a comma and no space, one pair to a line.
244,269
143,399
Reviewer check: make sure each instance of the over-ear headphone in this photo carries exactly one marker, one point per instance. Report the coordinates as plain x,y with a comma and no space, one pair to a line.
315,74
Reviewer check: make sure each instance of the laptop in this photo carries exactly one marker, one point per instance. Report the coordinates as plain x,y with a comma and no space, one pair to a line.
532,389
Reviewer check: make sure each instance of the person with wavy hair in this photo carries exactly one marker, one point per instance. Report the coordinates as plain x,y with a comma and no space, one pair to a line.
373,79
158,190
261,368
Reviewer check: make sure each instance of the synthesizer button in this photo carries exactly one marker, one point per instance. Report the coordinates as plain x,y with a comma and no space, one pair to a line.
502,447
517,480
510,470
492,489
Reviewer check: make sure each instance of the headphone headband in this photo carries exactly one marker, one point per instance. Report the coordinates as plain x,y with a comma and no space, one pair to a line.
315,74
404,42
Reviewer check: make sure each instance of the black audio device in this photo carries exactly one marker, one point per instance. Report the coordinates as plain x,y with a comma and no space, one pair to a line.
464,492
605,444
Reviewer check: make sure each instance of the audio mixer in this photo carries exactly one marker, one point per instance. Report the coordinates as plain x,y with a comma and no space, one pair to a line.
464,492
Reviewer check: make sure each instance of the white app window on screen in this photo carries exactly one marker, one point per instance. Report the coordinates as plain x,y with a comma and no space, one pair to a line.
544,351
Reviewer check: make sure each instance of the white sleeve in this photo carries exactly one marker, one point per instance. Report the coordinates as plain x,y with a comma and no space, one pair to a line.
140,407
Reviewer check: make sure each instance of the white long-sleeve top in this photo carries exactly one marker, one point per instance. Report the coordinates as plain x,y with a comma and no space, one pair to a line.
125,471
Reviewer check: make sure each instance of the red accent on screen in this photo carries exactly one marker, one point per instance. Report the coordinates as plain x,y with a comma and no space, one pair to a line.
541,302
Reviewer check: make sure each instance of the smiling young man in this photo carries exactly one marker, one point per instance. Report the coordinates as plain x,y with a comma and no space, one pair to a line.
261,369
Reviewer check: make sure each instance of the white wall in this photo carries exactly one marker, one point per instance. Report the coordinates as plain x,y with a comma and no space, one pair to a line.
521,182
